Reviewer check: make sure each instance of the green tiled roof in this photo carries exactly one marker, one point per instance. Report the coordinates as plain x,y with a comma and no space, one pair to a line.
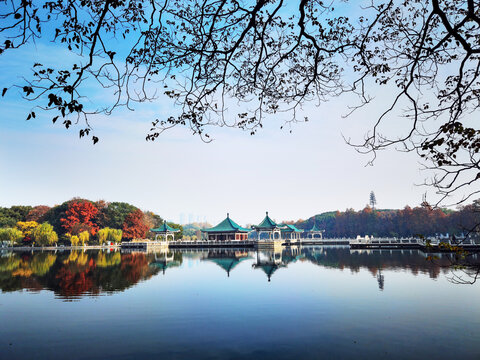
267,223
227,264
315,228
227,225
163,265
164,229
268,269
290,228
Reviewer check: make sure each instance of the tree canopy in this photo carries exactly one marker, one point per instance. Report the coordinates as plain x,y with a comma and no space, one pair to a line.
235,62
407,222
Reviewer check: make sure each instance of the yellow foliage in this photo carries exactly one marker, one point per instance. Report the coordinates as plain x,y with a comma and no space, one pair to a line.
42,262
9,263
23,270
83,237
110,235
74,240
106,260
72,257
76,257
44,234
82,259
27,227
13,235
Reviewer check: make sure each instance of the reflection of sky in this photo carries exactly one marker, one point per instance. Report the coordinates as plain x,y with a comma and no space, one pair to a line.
307,311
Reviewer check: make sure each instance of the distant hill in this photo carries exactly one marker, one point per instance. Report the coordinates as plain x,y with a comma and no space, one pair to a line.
193,229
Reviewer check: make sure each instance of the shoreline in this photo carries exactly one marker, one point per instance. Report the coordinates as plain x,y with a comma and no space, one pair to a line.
40,248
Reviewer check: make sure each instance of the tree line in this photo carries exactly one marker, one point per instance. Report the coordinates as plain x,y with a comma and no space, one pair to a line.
406,222
77,221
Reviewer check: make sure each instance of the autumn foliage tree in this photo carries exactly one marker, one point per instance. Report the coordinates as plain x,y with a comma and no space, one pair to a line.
45,235
406,222
38,213
79,217
134,227
27,228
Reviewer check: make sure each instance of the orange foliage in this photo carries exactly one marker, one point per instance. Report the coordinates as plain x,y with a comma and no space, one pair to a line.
133,226
79,217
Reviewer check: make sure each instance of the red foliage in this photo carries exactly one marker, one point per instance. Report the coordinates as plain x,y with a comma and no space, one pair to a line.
134,267
133,226
37,213
79,216
76,280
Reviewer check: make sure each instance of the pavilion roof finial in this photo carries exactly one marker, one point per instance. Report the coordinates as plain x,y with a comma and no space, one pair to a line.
266,212
228,215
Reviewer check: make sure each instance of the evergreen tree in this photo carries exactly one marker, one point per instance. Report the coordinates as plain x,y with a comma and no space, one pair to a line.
373,199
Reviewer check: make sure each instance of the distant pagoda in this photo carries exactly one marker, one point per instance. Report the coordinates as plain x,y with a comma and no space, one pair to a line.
165,231
227,230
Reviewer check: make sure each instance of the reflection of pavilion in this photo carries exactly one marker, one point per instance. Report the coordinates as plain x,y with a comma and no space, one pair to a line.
165,260
291,254
227,260
269,262
269,227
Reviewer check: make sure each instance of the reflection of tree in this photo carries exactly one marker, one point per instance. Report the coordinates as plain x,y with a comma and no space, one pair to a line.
42,263
134,266
380,280
341,257
9,263
465,265
106,260
75,277
75,273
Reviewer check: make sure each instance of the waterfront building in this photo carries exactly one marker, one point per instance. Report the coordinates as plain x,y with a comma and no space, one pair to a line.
270,227
290,232
227,230
165,231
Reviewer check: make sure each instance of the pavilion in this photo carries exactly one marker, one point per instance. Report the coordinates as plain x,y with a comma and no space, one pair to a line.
227,230
165,231
290,232
315,232
270,227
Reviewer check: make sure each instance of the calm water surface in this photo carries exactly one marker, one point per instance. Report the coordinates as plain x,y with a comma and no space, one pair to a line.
307,303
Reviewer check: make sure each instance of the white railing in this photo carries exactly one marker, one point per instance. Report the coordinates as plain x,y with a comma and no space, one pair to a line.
386,241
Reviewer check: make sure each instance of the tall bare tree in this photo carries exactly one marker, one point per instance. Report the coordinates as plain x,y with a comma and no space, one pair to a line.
269,57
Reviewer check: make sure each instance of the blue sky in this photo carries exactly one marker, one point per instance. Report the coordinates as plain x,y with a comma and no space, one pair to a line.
292,175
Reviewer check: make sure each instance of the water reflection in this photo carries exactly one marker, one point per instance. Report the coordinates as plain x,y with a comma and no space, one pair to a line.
74,274
227,259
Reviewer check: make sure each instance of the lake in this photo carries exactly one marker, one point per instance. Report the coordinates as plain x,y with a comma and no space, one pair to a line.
305,303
